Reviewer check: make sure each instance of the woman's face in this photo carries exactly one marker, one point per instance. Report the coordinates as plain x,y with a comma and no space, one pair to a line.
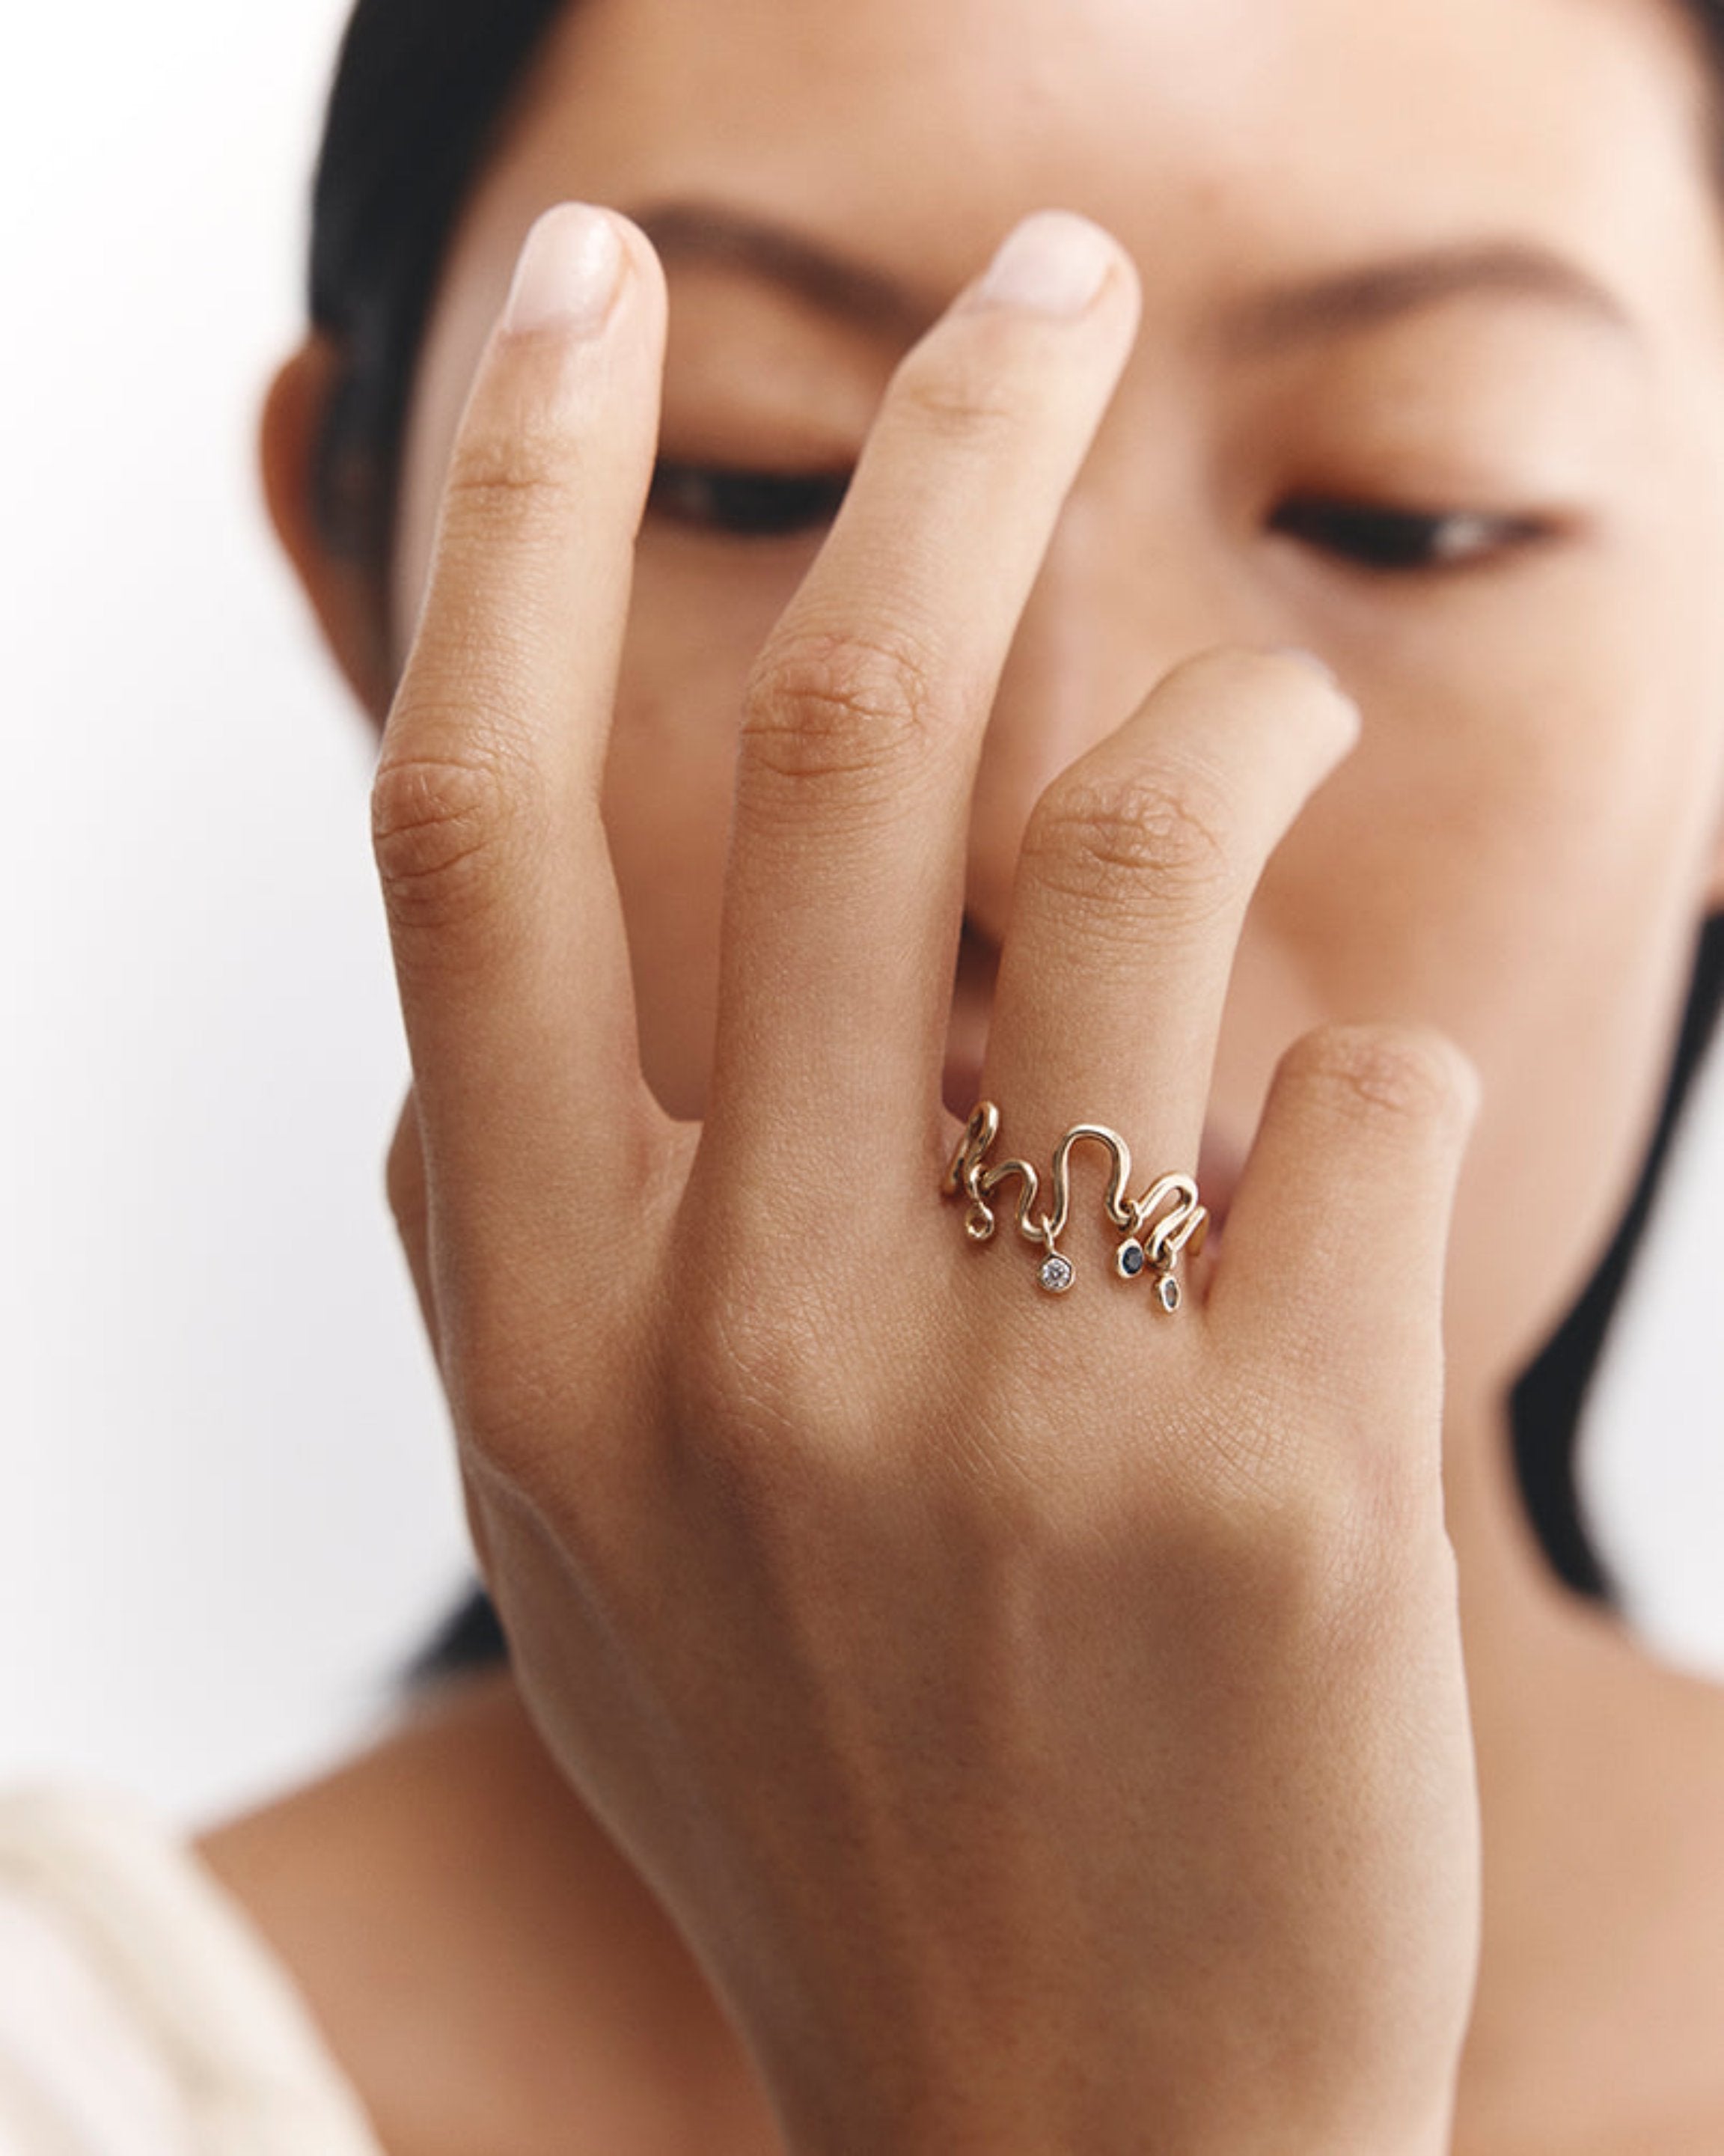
1430,379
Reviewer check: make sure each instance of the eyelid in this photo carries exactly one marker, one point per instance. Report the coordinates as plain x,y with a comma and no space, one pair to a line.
739,502
742,502
1390,538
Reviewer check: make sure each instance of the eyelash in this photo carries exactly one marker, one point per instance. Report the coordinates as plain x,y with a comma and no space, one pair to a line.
738,504
733,503
1393,541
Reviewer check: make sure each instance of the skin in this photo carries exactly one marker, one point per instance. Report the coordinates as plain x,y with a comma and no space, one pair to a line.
1501,857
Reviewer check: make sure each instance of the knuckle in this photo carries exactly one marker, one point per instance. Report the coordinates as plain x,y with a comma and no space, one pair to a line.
512,475
759,1419
1305,1500
756,1351
1394,1503
840,707
956,393
1324,1466
439,826
1298,1538
1396,1077
1367,1548
1152,841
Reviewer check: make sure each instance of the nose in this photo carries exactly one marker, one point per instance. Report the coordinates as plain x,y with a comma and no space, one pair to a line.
1112,611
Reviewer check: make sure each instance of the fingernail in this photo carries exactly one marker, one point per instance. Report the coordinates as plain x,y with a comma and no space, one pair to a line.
1053,263
568,273
1472,1087
1324,673
1320,667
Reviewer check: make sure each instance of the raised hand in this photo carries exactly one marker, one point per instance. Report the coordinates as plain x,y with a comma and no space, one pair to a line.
1042,1716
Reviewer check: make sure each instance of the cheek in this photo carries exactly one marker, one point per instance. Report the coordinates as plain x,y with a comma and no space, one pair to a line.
700,616
1518,853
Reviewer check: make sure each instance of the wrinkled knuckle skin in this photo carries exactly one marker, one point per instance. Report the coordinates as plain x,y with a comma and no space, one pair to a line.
514,476
845,708
1390,1076
1147,846
439,826
1292,1541
959,396
757,1350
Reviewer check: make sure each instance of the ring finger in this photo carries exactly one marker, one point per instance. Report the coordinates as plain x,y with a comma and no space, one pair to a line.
1136,872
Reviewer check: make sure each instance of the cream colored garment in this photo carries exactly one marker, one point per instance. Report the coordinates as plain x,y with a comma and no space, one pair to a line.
139,2013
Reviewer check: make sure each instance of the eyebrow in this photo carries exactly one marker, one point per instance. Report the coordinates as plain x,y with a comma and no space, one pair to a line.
1261,324
834,283
1377,293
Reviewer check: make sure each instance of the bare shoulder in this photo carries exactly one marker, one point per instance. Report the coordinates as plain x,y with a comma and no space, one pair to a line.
490,1973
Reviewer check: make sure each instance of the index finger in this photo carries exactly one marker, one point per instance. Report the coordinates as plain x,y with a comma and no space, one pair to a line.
504,917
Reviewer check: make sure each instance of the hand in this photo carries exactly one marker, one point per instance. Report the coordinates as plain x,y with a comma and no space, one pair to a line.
1044,1719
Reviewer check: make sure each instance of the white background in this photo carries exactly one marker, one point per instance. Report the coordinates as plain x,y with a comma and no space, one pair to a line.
227,1511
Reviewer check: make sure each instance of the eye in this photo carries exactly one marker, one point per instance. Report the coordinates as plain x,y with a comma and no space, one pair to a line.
1392,540
745,505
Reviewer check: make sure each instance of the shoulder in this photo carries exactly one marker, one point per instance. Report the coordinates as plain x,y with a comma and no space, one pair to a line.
484,1963
140,2013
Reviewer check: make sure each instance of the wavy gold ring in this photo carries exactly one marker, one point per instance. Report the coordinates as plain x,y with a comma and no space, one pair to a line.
1158,1228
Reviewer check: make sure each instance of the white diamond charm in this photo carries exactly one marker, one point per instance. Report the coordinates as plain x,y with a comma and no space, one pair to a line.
1057,1273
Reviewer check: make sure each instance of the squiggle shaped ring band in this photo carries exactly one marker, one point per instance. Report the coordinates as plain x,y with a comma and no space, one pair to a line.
1158,1228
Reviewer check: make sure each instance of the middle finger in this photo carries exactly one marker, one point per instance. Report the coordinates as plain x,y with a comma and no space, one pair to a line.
865,714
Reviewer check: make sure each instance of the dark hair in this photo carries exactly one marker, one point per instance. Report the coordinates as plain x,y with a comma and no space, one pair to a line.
423,91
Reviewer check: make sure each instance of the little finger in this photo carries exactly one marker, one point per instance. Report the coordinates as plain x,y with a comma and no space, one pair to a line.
1337,1242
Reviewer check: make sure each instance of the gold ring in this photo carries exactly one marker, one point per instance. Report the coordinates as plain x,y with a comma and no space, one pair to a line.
1159,1227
